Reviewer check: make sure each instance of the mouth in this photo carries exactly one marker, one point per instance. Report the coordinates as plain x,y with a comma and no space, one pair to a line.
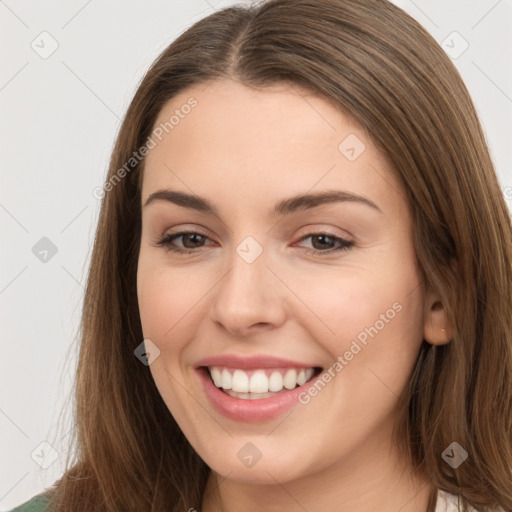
258,384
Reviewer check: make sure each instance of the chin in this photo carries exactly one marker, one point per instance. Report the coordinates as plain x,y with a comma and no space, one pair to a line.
254,460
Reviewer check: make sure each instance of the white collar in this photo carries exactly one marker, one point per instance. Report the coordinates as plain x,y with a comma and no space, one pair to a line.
447,502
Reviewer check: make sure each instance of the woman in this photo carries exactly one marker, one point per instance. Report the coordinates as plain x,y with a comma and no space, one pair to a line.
232,360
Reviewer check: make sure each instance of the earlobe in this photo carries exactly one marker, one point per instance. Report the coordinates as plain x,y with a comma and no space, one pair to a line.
436,330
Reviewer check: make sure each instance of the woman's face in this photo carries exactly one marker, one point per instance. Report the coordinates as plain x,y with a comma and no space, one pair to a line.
249,301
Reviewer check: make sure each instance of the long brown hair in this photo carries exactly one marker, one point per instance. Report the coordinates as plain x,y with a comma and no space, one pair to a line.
382,68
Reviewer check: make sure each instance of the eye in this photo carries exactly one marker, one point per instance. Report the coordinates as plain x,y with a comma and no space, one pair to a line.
323,239
194,240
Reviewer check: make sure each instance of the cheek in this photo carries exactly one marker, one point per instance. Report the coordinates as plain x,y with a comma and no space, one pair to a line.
169,305
156,305
168,301
368,314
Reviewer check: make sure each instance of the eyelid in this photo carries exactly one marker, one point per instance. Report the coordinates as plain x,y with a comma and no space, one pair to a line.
305,230
187,228
166,243
180,233
321,228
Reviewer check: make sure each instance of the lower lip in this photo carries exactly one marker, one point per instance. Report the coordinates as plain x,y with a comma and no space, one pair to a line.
250,411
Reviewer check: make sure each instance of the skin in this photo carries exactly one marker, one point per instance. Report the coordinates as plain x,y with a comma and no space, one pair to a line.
334,453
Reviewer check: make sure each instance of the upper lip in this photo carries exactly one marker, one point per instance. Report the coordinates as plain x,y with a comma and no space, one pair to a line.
251,362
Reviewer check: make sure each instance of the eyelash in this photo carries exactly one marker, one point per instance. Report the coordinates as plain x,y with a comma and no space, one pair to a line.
166,243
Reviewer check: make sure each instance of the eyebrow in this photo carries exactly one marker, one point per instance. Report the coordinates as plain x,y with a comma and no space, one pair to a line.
284,207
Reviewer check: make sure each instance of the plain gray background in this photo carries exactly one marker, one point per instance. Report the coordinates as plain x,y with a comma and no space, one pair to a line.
60,114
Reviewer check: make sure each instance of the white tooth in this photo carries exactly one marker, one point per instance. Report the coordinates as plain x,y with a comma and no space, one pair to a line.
240,382
226,379
216,376
275,382
290,379
258,382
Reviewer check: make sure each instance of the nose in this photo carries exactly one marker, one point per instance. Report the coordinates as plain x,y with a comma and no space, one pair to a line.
249,297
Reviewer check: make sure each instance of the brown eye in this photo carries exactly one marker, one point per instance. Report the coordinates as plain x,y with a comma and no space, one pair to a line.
194,238
191,240
321,240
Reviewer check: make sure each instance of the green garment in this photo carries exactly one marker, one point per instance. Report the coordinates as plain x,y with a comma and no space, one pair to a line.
38,503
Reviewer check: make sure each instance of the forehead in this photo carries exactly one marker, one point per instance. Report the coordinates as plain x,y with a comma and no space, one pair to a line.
263,144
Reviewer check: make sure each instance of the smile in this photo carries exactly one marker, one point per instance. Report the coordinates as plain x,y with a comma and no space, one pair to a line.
254,388
258,383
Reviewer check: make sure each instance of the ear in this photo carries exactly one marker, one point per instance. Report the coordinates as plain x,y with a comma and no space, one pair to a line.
436,330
